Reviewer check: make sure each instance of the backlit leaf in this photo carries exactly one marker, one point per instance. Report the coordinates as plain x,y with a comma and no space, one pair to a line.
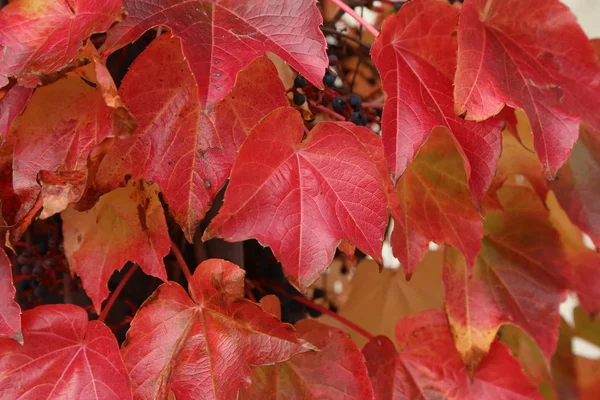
577,188
416,57
202,347
127,224
220,37
302,198
520,278
584,262
433,203
545,66
64,356
377,300
427,366
519,160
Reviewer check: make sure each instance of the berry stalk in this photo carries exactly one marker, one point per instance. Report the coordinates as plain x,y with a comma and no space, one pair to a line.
348,10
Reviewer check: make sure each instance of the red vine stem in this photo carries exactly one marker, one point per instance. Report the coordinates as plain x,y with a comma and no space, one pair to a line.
117,291
181,261
348,10
318,307
327,111
373,105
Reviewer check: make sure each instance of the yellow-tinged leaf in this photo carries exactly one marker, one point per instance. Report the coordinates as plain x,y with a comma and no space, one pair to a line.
127,224
378,300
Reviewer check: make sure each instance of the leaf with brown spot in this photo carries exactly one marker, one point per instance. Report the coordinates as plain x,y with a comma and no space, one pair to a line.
188,156
127,224
62,124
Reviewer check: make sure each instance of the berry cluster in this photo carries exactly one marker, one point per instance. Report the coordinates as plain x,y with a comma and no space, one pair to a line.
40,270
348,107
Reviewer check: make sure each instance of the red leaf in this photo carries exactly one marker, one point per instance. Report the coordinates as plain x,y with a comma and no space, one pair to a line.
584,262
64,356
10,201
301,199
10,312
433,203
127,224
62,124
40,37
189,156
545,66
337,371
518,162
577,188
220,37
428,366
416,56
201,348
12,103
519,278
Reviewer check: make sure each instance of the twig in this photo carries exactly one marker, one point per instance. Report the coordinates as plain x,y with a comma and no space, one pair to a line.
181,261
358,18
116,292
327,111
318,307
249,294
345,35
376,106
360,31
306,131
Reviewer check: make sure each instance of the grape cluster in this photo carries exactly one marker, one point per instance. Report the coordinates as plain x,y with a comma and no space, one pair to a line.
349,107
39,271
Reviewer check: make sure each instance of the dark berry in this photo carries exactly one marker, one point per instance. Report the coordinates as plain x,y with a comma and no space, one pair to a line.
338,104
398,5
300,81
358,118
355,102
48,264
329,80
333,60
53,242
41,292
26,269
318,293
38,271
313,313
25,258
42,246
299,99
